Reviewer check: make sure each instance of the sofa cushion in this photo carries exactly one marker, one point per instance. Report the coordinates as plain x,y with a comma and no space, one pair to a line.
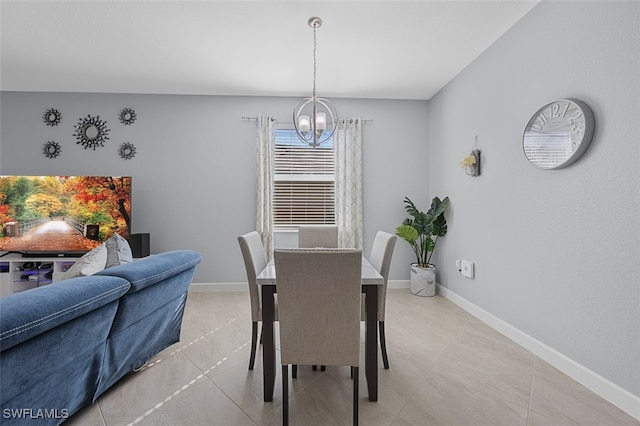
92,262
29,313
118,251
153,269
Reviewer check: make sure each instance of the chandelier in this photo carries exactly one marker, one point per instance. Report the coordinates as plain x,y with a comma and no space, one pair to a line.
314,118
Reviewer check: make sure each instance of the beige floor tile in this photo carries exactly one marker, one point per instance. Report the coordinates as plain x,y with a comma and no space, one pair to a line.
219,350
536,419
557,396
490,364
444,399
88,416
329,402
245,389
163,386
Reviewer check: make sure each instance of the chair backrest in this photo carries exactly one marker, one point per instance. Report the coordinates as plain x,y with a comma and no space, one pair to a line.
317,236
380,258
255,260
319,306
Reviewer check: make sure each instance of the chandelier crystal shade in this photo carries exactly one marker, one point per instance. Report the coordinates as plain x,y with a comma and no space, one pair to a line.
314,118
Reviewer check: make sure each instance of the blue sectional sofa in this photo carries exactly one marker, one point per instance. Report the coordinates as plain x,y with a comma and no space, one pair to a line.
64,344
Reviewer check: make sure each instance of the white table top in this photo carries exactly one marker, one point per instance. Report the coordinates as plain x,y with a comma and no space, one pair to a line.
369,274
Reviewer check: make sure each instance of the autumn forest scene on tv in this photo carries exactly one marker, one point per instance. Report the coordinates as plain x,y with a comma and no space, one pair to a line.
58,214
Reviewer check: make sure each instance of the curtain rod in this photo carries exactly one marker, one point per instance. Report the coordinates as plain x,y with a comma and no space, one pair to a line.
244,117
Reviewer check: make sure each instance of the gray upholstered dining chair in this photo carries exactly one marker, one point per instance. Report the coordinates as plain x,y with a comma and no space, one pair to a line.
319,312
313,236
255,260
380,258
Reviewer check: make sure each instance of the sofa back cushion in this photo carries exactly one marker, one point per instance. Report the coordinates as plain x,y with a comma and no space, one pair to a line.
153,269
29,313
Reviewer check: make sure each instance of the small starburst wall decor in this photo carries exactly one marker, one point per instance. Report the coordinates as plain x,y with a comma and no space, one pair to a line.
91,132
127,116
52,117
51,149
127,151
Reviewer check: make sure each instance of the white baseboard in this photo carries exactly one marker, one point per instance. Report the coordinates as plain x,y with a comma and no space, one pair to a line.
608,390
218,287
243,286
399,284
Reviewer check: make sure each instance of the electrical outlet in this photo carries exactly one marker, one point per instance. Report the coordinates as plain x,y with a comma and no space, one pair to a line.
467,269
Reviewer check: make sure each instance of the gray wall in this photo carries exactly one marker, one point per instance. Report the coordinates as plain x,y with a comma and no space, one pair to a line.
194,173
557,252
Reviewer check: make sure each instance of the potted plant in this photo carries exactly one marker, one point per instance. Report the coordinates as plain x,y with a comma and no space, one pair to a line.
422,230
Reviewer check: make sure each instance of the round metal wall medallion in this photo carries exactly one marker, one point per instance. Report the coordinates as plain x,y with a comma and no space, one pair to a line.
91,132
51,149
127,116
127,151
52,117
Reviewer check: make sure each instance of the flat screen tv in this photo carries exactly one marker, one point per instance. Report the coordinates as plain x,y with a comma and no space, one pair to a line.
62,215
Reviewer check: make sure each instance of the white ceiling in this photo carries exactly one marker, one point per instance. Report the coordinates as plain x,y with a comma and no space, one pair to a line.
366,49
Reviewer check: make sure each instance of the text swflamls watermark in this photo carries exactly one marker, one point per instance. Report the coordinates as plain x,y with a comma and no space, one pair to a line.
35,413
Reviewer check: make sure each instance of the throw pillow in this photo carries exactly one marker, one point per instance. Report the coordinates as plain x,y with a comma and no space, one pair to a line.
118,251
92,262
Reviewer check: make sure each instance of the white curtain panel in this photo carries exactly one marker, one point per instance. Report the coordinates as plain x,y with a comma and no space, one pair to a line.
265,148
348,157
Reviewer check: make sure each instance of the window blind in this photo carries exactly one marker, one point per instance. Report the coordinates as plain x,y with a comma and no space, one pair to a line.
303,181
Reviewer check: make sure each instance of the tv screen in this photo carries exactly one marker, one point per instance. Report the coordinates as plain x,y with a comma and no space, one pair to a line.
58,215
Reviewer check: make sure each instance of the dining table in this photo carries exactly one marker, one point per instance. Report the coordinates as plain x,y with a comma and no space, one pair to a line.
371,280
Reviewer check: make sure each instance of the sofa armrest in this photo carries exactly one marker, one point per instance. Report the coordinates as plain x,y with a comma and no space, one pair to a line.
29,313
153,269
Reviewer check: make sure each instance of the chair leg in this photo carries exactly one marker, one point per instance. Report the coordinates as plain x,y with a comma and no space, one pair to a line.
285,395
323,367
383,345
294,371
314,367
254,341
355,394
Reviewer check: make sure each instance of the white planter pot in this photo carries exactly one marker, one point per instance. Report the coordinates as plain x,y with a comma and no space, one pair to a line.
423,280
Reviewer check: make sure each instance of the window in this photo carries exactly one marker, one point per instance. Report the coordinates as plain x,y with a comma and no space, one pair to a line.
303,181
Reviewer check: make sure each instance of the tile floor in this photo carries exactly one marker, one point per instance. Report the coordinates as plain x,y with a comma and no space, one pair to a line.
447,368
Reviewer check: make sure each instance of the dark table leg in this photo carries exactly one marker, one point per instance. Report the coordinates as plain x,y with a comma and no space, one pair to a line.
268,342
371,341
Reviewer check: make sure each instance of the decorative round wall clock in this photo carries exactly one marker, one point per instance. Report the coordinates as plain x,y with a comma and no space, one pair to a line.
127,151
91,132
558,134
127,116
51,149
52,117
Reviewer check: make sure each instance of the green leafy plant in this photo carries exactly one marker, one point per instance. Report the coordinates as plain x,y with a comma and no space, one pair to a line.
423,229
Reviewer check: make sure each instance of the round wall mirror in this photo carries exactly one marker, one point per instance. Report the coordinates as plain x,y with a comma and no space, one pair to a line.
91,132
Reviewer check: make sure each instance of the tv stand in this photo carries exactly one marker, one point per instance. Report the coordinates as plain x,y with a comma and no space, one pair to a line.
19,273
28,255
